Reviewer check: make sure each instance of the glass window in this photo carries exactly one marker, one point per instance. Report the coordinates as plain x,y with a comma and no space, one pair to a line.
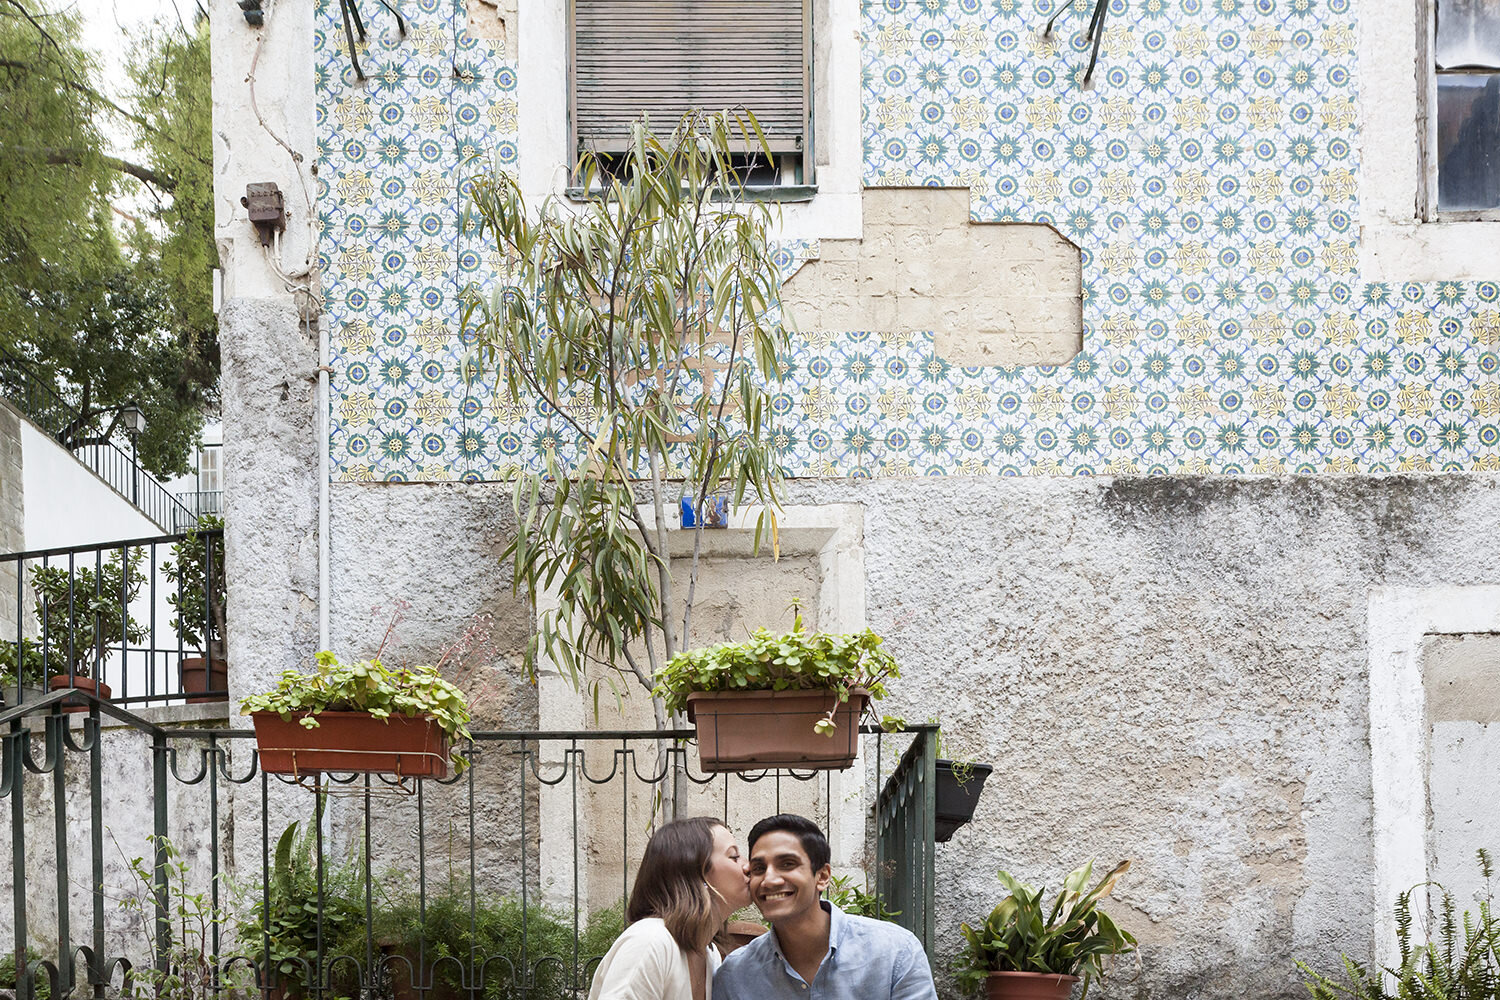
1468,105
1468,34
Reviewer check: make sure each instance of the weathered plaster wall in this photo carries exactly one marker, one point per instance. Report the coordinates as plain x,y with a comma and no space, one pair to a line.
1170,670
1461,677
12,513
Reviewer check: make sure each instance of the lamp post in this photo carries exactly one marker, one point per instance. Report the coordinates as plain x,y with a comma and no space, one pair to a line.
134,422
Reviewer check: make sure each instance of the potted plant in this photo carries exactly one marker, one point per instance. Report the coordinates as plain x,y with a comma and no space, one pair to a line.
84,618
199,592
779,700
959,783
359,716
1027,950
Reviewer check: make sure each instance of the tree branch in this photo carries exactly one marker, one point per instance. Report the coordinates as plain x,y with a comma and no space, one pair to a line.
77,157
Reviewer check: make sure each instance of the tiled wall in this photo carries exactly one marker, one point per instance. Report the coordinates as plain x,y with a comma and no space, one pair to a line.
1211,178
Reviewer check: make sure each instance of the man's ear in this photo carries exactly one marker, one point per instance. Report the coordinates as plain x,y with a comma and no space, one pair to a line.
824,876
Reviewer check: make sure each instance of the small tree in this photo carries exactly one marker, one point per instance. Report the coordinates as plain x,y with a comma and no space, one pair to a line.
200,594
643,325
83,616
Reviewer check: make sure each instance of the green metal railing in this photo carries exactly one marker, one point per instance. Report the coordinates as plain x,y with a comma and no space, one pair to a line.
505,882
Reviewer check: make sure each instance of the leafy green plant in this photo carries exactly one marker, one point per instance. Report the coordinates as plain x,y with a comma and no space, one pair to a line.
199,590
1072,937
452,930
851,897
793,661
643,323
366,686
83,617
41,985
1453,967
192,970
281,930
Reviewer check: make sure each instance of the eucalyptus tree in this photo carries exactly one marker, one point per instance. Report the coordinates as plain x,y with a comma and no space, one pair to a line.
643,324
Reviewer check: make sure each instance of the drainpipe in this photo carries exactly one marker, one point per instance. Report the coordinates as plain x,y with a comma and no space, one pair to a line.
323,470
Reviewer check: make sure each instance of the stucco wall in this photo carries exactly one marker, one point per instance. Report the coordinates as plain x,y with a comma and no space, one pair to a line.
1171,670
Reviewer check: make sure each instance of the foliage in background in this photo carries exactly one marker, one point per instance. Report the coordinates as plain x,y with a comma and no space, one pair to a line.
641,324
851,897
449,937
1461,963
199,588
794,661
100,324
42,984
192,971
1072,937
83,617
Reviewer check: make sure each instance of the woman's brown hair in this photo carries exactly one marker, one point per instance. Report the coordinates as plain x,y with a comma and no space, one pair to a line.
670,883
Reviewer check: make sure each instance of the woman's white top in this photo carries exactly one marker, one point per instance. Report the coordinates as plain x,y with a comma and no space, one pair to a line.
645,964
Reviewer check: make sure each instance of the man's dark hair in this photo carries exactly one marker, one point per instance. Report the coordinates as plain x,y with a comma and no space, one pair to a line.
804,829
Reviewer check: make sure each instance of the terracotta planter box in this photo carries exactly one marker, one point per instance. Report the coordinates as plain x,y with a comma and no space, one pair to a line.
59,682
752,730
200,674
409,746
1028,986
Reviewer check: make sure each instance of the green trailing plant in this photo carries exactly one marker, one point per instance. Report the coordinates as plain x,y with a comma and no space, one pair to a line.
642,325
1071,937
793,661
199,587
192,969
84,618
1461,963
282,929
851,897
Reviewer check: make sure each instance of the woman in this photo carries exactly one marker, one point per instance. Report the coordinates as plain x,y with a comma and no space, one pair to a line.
690,880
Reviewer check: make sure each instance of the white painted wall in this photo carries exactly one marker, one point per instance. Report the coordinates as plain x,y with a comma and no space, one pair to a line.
66,504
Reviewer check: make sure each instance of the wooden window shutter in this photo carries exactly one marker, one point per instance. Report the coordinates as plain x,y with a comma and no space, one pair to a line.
664,57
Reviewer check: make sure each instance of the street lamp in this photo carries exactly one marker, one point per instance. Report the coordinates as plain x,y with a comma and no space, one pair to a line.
134,421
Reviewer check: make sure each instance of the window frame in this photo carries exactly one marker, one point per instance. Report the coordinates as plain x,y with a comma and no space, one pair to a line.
799,169
1427,123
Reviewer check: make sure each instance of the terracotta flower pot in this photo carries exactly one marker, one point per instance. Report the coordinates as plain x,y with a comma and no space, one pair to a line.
59,682
199,674
412,746
750,730
1028,986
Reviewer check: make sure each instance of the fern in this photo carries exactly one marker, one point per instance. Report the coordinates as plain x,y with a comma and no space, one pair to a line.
1463,963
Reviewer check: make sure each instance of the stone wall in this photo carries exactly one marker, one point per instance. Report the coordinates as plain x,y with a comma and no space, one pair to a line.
12,514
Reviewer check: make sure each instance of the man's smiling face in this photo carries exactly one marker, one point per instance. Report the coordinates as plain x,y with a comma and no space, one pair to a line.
782,881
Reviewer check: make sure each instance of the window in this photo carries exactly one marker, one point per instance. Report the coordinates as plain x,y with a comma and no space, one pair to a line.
1466,147
664,57
208,469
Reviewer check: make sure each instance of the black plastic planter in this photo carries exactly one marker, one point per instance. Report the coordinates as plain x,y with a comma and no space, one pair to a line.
956,800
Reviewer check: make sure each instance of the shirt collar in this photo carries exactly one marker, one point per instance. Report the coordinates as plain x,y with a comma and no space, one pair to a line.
836,924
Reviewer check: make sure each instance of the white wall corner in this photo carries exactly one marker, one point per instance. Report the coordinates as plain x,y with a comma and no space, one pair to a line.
263,96
1399,619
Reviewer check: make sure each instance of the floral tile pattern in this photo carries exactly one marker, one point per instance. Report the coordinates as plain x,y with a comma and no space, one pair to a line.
1210,177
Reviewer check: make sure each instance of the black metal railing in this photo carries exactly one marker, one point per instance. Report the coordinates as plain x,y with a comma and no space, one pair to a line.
57,416
195,505
504,881
141,620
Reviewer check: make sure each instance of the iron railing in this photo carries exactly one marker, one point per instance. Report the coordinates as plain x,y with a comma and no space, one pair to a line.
504,882
118,468
196,504
105,614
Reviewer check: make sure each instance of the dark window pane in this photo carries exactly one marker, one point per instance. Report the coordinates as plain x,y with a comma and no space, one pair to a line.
1468,33
1468,141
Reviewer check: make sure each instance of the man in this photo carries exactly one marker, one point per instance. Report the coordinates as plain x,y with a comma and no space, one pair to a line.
814,949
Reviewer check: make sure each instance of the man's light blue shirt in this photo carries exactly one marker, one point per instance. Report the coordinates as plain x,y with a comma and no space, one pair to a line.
867,960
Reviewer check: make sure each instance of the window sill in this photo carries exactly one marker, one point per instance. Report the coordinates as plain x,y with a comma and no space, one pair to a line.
1430,251
782,194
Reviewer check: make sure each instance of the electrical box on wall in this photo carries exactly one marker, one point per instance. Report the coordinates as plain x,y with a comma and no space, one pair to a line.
267,208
